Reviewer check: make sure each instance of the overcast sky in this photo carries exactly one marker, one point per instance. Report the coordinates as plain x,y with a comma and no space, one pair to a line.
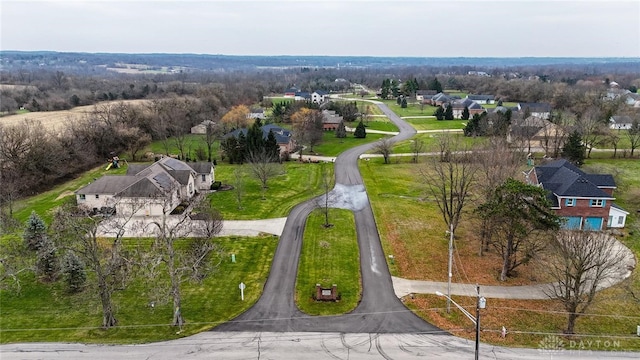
426,28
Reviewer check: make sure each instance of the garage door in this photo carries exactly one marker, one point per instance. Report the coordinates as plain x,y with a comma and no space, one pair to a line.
593,223
572,223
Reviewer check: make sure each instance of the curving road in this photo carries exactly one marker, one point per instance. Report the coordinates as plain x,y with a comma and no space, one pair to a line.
379,311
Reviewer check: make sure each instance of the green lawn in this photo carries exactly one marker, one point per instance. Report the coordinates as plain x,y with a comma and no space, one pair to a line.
412,109
430,141
329,256
192,143
332,146
44,202
376,123
300,182
432,123
44,313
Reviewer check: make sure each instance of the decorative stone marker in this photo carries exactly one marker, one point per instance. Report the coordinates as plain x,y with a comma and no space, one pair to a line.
326,294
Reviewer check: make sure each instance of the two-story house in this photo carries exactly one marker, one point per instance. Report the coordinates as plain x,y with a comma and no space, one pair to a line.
584,201
149,190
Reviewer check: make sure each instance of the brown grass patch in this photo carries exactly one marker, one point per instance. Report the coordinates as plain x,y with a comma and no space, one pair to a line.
528,322
56,120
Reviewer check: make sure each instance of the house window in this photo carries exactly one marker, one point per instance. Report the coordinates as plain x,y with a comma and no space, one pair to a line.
83,197
597,203
620,220
570,202
97,196
204,177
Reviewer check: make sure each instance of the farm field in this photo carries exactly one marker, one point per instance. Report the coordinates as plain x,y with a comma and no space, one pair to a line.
56,120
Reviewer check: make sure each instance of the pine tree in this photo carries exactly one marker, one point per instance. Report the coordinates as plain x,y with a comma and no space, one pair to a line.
403,104
573,150
255,137
439,113
341,131
448,113
47,264
74,272
35,231
360,132
465,113
271,146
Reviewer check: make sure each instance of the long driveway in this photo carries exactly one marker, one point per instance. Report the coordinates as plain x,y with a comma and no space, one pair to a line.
379,311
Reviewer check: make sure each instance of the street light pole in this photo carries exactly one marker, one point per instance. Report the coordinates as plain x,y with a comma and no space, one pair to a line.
477,322
450,268
481,303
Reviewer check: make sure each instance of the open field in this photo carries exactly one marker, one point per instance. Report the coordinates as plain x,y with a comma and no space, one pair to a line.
412,109
332,146
431,123
56,120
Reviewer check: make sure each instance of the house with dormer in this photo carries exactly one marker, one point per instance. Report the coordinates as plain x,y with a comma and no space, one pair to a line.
583,201
147,189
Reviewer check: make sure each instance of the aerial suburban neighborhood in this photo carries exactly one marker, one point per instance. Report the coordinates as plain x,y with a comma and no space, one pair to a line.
164,206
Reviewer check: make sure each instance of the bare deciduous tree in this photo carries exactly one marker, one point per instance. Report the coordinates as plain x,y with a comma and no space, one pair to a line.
326,179
181,265
76,229
580,263
384,147
449,178
264,166
417,146
497,162
239,184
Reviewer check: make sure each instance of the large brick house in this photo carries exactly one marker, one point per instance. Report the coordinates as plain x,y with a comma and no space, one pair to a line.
584,201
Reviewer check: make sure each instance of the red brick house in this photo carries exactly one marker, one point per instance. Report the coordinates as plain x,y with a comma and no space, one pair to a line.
584,201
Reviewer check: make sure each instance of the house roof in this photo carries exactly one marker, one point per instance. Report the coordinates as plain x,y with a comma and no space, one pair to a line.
565,180
480,97
108,184
201,167
320,92
303,94
621,119
535,107
283,136
143,180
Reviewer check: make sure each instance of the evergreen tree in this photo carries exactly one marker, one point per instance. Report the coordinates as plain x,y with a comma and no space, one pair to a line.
473,126
573,150
403,104
360,131
399,100
395,90
439,113
386,88
35,232
74,272
241,153
448,112
47,264
271,146
435,85
255,137
341,131
465,113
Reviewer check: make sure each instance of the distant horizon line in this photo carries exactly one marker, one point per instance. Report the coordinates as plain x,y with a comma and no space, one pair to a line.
327,56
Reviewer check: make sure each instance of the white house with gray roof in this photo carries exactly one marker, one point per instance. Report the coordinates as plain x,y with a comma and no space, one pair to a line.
149,190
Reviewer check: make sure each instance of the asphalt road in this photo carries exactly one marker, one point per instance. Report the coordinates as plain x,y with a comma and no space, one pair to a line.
379,311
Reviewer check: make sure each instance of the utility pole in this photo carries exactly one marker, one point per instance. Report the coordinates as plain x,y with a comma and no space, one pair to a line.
450,266
478,322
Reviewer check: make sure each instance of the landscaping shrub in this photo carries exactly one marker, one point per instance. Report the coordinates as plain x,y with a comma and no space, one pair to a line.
216,185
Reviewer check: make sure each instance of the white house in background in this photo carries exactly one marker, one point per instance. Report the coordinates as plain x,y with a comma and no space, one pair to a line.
482,99
202,127
319,96
541,110
257,113
147,190
620,122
